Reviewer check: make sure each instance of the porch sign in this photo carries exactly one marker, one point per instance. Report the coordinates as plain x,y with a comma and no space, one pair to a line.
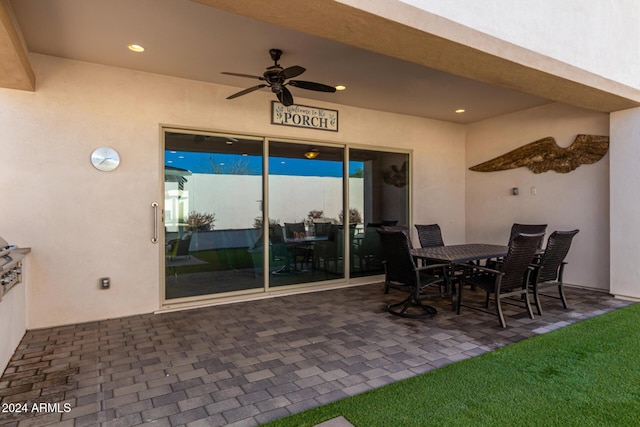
304,116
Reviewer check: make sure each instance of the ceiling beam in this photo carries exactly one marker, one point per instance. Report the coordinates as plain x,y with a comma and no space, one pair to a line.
402,31
15,69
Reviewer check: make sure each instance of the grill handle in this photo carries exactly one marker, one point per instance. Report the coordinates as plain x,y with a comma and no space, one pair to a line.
154,206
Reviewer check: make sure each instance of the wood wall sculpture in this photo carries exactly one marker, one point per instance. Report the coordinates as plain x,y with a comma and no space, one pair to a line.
396,176
545,154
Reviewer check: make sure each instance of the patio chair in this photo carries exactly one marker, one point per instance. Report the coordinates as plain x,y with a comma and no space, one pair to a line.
429,235
508,281
527,229
516,229
402,273
549,268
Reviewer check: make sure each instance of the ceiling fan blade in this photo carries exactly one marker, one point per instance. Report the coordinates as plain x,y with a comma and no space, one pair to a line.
243,75
291,72
312,86
285,97
246,91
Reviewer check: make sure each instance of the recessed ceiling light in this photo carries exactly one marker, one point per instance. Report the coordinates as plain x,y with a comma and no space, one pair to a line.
340,87
460,110
136,48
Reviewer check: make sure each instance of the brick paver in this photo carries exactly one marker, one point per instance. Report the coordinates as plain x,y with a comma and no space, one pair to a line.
248,363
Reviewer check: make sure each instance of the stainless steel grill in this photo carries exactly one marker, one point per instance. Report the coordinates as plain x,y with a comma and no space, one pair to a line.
10,265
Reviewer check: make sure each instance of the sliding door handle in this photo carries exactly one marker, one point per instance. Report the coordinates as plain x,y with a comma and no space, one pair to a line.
154,239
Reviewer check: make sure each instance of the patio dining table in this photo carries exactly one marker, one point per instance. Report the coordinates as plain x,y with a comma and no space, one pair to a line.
459,254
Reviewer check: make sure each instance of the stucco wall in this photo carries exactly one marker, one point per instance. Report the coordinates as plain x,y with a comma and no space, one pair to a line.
600,36
625,204
579,199
83,224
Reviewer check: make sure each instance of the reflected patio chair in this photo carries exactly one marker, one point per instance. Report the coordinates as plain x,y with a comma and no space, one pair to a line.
322,229
369,251
508,281
179,247
331,251
304,252
549,268
279,250
429,235
401,272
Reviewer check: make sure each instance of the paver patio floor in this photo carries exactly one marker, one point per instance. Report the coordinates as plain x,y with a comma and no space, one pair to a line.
247,363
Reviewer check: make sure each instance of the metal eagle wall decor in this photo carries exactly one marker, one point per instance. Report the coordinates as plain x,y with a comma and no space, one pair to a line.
545,154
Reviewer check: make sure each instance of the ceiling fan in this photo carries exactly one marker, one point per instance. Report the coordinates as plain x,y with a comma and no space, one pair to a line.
276,78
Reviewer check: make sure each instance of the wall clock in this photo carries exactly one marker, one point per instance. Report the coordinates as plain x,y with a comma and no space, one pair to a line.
105,159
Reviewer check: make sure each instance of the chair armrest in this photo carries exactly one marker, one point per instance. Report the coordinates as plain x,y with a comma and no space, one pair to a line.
479,268
432,266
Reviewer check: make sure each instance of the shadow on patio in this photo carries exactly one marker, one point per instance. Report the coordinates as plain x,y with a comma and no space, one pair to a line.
248,363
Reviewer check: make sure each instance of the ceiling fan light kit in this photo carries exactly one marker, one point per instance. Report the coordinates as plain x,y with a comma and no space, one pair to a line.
277,79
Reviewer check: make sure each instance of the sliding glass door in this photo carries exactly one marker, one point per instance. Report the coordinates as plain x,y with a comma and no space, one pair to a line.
378,196
307,241
224,235
213,214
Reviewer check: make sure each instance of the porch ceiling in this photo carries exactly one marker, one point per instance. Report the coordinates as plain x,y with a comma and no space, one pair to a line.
407,62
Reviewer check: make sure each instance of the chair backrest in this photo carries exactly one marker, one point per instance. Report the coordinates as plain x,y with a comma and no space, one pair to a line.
389,223
370,245
527,229
399,264
322,228
522,249
558,246
429,235
275,233
293,227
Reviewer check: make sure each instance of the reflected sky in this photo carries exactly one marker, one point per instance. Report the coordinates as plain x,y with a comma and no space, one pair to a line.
214,163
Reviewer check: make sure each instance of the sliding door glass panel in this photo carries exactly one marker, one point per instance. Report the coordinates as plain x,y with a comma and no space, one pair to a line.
378,195
305,213
213,214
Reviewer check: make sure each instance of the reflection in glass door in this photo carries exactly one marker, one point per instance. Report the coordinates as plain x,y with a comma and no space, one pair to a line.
212,214
306,233
378,196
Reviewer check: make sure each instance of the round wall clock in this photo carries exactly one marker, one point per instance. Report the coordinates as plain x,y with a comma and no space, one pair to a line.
105,159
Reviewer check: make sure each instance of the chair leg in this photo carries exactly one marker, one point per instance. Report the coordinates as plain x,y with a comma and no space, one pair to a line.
499,312
386,286
460,286
562,297
536,300
526,301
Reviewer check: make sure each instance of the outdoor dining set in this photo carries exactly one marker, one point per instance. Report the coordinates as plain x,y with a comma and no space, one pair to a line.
509,274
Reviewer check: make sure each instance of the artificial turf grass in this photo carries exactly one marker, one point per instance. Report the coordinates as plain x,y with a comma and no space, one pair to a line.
586,374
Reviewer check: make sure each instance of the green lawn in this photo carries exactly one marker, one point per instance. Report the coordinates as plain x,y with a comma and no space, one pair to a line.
586,374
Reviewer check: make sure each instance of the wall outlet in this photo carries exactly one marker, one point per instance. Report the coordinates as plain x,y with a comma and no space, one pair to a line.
534,191
105,283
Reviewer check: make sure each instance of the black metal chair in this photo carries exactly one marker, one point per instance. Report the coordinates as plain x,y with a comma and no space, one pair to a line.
549,268
429,235
402,273
516,229
508,281
527,229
